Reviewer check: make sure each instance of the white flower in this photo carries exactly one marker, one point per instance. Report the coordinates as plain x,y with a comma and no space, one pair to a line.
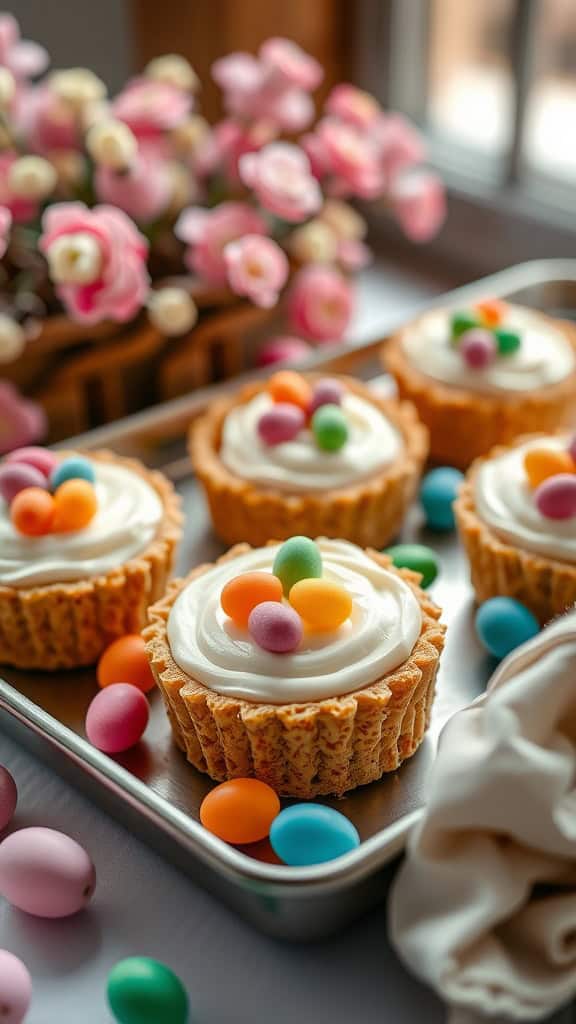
76,87
95,111
7,88
314,242
173,69
172,310
112,144
70,166
12,339
75,259
345,222
190,133
181,185
32,178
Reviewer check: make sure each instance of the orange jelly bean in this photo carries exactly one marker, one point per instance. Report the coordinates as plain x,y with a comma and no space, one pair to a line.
241,595
321,604
541,463
125,661
491,312
32,511
76,505
291,387
240,811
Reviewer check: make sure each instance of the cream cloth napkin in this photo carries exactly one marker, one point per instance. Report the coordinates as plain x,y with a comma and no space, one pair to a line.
484,907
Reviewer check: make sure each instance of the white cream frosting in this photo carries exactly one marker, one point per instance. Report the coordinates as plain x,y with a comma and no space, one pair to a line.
379,635
505,502
545,355
299,465
128,516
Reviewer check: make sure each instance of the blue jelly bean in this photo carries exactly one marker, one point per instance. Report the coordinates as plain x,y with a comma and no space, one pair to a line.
503,623
312,834
437,493
75,467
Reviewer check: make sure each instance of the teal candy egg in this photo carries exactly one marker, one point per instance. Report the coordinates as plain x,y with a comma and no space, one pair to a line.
76,467
417,557
330,428
312,834
144,991
437,494
508,341
503,623
297,559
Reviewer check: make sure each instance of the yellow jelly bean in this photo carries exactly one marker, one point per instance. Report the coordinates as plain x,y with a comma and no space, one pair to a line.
541,463
321,604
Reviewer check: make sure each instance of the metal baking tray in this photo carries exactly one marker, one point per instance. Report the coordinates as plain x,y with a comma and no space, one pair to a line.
156,794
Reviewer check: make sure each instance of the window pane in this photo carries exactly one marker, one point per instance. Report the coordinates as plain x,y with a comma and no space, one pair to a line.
550,139
471,92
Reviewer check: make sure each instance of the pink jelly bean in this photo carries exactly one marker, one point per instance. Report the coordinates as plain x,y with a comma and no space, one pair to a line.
327,391
8,797
45,873
16,476
41,458
572,448
275,627
280,423
117,718
283,350
15,988
555,498
478,348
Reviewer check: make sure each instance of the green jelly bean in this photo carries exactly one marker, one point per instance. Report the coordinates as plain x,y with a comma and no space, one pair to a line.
297,559
144,991
508,341
417,557
462,321
330,428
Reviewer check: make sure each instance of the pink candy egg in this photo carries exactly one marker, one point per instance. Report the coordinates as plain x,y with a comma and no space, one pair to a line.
280,423
16,476
8,798
327,391
15,988
555,498
40,458
283,350
275,627
45,873
117,718
478,347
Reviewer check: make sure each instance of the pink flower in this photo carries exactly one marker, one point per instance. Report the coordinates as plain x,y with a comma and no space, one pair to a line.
20,210
143,191
281,178
22,422
398,143
419,202
5,225
352,105
257,267
241,77
151,108
44,122
232,139
283,350
353,160
208,232
119,283
321,303
353,255
292,110
22,57
269,89
285,59
317,155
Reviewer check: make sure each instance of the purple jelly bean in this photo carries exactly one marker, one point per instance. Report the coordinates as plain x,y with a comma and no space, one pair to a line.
478,347
16,476
555,498
275,627
327,391
280,423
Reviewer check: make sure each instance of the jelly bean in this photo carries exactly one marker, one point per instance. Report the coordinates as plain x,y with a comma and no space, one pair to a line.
75,505
288,386
16,477
417,557
41,459
75,467
280,423
438,491
322,605
327,391
243,593
116,718
478,348
508,341
283,350
45,873
312,834
144,991
330,428
15,988
491,312
503,623
541,463
8,797
462,321
556,497
275,627
32,512
240,811
125,661
298,558
572,449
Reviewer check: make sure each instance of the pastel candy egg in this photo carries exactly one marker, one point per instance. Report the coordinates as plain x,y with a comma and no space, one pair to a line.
8,799
322,604
330,428
289,386
75,467
125,661
15,988
45,873
275,627
508,341
116,718
312,834
541,463
298,558
503,623
75,505
41,459
556,497
327,391
283,350
416,557
240,811
144,991
438,492
32,512
462,321
478,348
281,423
241,594
16,476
